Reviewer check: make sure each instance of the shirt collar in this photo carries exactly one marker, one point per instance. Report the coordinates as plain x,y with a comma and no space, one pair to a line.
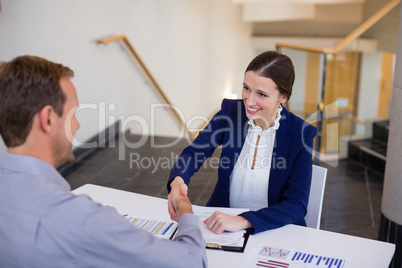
33,166
269,130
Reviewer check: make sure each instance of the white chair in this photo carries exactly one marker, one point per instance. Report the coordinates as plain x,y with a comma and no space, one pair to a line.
318,178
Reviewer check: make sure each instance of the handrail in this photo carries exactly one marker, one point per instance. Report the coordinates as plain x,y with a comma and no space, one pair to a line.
352,118
305,48
349,38
123,40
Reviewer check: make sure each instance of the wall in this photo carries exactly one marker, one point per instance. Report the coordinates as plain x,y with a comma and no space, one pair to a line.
370,78
299,59
2,148
196,49
385,30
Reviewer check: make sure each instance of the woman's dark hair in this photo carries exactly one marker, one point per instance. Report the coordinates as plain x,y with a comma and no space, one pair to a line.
27,84
278,67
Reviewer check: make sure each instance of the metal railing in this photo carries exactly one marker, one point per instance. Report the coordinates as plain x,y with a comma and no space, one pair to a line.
134,56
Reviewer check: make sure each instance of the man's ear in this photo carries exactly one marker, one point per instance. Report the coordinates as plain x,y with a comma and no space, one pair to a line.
46,118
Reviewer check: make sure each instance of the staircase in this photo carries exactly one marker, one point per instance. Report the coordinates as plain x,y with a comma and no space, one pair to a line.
371,152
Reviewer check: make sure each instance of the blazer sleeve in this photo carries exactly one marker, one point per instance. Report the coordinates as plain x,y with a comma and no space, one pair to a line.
192,157
292,206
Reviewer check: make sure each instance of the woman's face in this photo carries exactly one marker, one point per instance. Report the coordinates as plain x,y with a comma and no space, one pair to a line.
261,99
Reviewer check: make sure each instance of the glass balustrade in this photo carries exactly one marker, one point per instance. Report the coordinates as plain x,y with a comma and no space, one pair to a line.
338,92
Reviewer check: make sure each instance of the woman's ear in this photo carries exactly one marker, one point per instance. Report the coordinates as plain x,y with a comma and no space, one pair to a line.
283,99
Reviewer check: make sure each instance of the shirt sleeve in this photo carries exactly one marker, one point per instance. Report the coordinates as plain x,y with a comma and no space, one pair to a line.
109,240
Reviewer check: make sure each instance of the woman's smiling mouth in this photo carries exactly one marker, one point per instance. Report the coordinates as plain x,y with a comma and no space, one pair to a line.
252,111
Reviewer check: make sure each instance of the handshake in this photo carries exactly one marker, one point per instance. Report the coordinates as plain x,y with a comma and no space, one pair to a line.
178,202
218,222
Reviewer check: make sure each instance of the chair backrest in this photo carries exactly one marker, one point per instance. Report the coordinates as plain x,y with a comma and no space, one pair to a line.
318,179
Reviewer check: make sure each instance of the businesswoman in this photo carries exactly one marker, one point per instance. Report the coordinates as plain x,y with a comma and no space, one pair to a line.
266,160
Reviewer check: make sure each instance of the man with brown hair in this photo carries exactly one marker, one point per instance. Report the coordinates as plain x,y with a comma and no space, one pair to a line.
42,223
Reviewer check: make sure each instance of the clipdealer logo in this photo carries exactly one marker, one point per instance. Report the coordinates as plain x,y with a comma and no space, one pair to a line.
107,117
329,111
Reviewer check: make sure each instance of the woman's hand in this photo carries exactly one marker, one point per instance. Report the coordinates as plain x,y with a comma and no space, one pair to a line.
183,186
219,222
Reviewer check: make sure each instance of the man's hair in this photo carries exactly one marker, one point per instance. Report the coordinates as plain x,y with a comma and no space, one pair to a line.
27,84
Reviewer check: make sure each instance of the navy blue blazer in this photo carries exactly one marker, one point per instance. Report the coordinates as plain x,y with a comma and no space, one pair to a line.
291,166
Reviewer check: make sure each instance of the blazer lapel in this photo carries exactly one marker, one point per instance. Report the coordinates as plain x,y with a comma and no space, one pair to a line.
279,159
240,133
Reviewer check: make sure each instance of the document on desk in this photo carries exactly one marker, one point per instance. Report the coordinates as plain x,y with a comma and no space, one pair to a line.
234,241
267,256
231,241
158,228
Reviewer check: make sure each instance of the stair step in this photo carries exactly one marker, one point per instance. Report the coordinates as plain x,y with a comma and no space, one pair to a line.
369,152
381,130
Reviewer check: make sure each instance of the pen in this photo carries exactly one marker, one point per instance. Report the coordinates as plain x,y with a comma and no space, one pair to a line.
213,245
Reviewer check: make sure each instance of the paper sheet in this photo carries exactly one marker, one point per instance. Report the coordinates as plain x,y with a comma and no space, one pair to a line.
267,256
159,228
226,238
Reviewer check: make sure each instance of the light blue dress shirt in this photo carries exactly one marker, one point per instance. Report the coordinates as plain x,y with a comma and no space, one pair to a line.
43,225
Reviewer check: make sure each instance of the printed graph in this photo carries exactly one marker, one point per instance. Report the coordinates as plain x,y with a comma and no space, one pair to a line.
274,252
158,228
318,261
272,264
275,257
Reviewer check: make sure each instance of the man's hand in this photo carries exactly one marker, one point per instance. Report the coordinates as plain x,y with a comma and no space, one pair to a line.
219,222
178,202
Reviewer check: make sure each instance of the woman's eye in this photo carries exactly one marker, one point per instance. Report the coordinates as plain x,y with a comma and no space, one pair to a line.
262,95
246,88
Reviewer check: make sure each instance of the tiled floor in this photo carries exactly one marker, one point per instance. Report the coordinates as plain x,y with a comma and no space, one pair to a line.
352,199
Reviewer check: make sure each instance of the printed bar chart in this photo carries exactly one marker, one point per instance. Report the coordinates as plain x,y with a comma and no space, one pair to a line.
273,257
158,228
319,261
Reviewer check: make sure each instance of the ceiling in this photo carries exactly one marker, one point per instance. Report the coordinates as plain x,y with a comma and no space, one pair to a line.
302,19
339,11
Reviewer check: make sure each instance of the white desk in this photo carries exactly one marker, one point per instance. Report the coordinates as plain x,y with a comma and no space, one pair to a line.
360,251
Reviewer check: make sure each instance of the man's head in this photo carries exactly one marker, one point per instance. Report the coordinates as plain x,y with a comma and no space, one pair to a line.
33,89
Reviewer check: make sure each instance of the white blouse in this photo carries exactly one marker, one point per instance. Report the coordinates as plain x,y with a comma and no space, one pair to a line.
250,176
